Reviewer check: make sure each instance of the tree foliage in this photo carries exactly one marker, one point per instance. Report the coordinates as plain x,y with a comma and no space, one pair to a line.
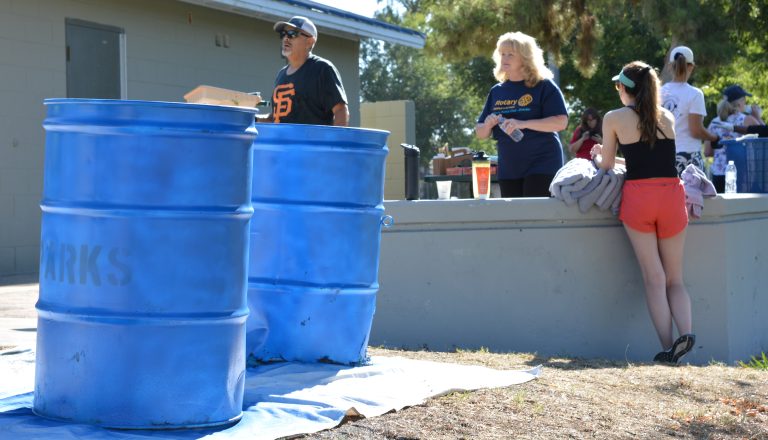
445,109
589,40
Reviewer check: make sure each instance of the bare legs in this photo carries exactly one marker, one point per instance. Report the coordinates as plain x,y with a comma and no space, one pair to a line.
661,262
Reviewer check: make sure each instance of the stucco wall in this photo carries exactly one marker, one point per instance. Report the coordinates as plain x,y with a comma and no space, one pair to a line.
535,275
399,118
170,48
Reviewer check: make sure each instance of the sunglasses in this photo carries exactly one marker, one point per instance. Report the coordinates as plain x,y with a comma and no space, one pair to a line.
291,34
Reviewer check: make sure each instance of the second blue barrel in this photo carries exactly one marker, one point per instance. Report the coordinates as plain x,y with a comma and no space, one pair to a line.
142,306
318,195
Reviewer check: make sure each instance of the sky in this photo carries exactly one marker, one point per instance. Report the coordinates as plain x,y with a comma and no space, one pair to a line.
361,7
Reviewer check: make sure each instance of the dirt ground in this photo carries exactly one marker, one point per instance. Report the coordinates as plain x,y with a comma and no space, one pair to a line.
581,399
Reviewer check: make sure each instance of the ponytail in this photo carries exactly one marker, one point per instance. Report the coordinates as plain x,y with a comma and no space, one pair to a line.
680,67
647,102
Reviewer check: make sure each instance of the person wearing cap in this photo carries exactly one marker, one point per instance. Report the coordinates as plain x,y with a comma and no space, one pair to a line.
525,101
308,90
737,97
730,111
687,105
652,201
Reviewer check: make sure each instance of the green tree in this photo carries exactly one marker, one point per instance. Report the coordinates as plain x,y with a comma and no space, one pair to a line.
445,108
589,40
631,39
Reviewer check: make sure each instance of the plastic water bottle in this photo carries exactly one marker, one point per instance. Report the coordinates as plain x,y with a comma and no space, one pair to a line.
730,178
516,135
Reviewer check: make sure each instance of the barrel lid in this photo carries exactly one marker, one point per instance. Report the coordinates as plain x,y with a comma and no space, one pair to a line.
164,104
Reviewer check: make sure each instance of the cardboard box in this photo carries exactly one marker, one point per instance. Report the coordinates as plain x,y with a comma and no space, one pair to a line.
459,161
438,166
458,171
218,96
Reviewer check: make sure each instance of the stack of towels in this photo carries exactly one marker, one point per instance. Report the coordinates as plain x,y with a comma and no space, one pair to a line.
580,182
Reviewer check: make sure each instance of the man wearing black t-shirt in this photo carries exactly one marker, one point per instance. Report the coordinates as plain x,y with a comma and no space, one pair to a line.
308,90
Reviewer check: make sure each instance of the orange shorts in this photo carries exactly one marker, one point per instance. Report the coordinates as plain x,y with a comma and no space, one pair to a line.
654,205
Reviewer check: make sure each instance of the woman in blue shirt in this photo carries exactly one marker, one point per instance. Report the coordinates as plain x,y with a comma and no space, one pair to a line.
526,101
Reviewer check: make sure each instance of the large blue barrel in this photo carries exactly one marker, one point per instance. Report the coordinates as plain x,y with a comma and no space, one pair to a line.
318,195
142,306
751,159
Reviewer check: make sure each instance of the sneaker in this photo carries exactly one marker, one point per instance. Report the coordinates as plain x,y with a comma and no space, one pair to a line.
682,346
664,357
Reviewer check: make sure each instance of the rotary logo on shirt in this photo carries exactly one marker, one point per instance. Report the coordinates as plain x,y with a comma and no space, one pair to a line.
513,105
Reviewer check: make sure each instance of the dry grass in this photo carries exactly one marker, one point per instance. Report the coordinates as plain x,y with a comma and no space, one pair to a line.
577,398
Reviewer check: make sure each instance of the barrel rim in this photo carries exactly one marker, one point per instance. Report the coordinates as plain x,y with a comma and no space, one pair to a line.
291,127
137,102
743,141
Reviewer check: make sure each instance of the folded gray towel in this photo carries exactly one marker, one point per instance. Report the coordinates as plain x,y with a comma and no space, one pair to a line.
607,190
586,201
612,191
567,190
570,173
590,186
616,205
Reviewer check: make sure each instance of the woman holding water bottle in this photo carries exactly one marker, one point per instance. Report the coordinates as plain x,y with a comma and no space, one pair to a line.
524,112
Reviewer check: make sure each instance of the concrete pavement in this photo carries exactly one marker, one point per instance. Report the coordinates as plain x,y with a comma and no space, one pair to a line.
18,318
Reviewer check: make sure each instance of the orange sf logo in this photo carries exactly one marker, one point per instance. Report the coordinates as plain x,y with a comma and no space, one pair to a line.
524,100
282,102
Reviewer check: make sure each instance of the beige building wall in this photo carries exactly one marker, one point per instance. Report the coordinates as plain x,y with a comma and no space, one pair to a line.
170,49
399,118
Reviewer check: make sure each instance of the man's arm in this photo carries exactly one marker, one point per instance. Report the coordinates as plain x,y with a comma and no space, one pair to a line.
341,115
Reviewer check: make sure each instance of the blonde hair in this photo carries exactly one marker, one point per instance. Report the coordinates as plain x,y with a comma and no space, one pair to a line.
534,69
725,108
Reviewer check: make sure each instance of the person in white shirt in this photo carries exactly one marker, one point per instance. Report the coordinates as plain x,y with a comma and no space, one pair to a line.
687,105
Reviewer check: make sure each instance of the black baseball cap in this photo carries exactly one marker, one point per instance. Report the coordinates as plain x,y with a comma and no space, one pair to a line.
734,92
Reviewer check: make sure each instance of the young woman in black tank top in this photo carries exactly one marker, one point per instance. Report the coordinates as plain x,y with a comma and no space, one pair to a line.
653,202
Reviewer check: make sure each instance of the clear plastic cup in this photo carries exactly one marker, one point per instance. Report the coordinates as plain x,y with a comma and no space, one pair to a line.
443,189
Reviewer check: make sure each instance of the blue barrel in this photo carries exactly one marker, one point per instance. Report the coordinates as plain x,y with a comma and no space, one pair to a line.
318,194
142,308
751,159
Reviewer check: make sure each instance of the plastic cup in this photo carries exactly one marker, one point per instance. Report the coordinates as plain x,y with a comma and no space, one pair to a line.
443,189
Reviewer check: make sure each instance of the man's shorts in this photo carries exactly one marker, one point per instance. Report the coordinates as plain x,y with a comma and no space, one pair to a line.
654,205
682,160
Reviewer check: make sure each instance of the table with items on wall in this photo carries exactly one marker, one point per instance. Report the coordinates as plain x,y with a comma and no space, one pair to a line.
461,186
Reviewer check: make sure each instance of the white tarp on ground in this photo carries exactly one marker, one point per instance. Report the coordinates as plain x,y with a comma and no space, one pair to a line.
280,399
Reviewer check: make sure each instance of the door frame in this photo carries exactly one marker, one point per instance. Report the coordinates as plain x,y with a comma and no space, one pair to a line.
122,47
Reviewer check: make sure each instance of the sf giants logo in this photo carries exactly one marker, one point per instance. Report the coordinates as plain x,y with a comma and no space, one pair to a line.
282,102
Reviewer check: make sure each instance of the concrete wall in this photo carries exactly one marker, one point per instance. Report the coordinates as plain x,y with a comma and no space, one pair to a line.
170,49
535,275
399,118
